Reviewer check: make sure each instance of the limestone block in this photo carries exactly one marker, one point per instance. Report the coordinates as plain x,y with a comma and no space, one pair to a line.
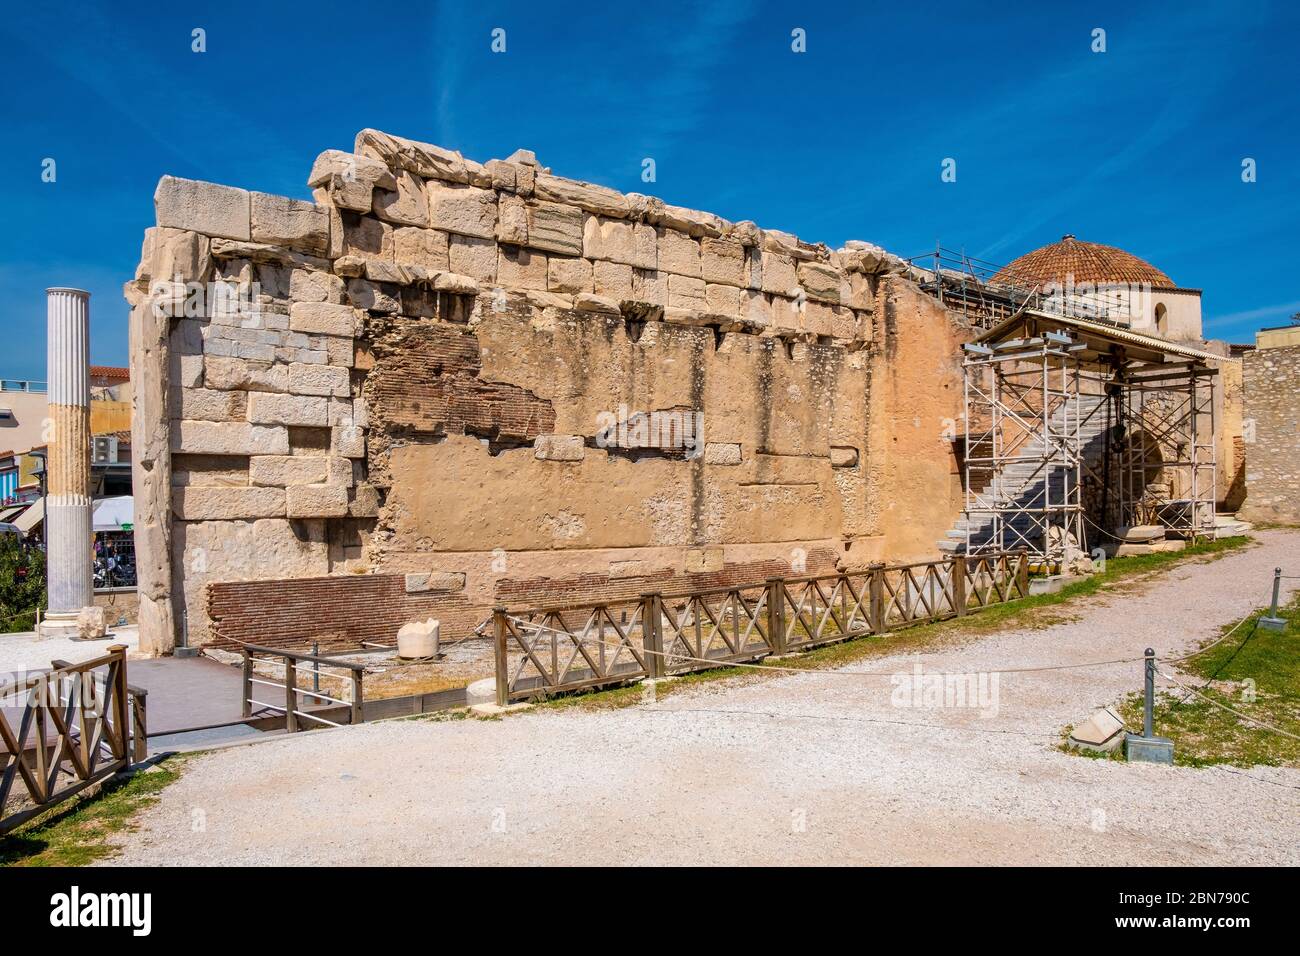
650,287
309,285
317,501
476,258
234,373
202,207
279,220
588,302
559,448
280,471
723,261
270,408
722,299
568,275
598,199
206,404
348,441
679,254
423,247
228,438
861,293
555,228
722,453
363,501
690,221
443,581
381,270
525,157
685,292
844,456
330,380
746,233
176,254
819,281
703,560
512,219
631,243
203,503
454,282
350,178
92,623
503,175
374,296
778,274
756,308
520,268
406,205
324,318
612,279
423,159
464,210
367,237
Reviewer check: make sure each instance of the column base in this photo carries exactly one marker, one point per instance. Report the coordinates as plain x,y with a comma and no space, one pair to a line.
88,624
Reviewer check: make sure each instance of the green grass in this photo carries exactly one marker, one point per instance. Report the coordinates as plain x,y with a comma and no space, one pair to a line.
1037,611
80,832
1203,734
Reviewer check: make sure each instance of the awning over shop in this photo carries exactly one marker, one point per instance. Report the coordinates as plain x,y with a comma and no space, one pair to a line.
30,518
114,514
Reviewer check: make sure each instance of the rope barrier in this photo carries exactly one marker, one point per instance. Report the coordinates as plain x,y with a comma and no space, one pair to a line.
1224,707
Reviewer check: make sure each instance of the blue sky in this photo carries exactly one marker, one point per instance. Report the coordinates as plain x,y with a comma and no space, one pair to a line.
1139,147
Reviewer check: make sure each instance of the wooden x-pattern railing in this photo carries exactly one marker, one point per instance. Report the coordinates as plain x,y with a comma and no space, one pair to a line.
561,649
74,730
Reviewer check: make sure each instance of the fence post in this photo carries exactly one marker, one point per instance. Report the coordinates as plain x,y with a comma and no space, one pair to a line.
358,703
775,615
140,722
290,696
121,740
499,644
1271,622
876,590
1148,706
1022,573
652,635
247,709
959,584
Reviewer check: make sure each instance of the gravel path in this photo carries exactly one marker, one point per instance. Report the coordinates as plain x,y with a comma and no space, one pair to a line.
809,768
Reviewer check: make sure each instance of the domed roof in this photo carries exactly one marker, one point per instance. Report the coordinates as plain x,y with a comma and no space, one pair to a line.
1082,262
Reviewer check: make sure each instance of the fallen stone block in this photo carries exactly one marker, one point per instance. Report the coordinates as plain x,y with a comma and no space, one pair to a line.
1103,732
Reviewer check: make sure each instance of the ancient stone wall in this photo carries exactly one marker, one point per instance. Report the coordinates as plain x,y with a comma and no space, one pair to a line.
487,382
1271,383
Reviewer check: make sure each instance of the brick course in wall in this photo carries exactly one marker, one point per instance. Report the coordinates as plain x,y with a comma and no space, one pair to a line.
1271,387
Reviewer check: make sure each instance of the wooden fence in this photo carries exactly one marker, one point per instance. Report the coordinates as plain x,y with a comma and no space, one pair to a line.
78,725
558,649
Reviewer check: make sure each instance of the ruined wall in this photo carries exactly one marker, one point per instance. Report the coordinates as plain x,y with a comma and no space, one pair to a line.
1271,383
436,375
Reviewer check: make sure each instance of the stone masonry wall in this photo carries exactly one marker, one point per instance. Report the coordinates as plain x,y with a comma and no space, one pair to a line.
439,373
1271,383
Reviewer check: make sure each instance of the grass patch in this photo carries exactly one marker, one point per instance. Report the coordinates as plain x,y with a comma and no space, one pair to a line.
79,833
1255,672
1036,611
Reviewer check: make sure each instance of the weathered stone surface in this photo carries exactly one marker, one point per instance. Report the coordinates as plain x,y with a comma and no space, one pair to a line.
593,198
224,504
690,221
679,254
317,501
350,179
367,237
423,247
520,268
587,302
778,275
722,453
631,243
844,456
324,318
819,281
568,275
205,404
228,438
559,448
329,380
476,258
309,285
269,408
464,210
685,292
363,501
512,219
283,470
202,207
406,205
280,220
612,279
722,299
92,623
723,261
234,373
423,159
554,228
348,441
650,287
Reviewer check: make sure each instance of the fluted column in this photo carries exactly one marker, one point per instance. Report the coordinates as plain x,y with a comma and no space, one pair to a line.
68,507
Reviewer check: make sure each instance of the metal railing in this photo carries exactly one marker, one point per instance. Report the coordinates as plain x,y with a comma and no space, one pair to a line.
560,649
79,724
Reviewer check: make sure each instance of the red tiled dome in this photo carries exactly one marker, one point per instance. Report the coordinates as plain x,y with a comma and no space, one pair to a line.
1082,262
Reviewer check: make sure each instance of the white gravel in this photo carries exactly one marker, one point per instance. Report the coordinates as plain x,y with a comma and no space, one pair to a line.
808,768
24,650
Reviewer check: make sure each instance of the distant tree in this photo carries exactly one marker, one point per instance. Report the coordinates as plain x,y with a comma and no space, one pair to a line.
1295,319
22,584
